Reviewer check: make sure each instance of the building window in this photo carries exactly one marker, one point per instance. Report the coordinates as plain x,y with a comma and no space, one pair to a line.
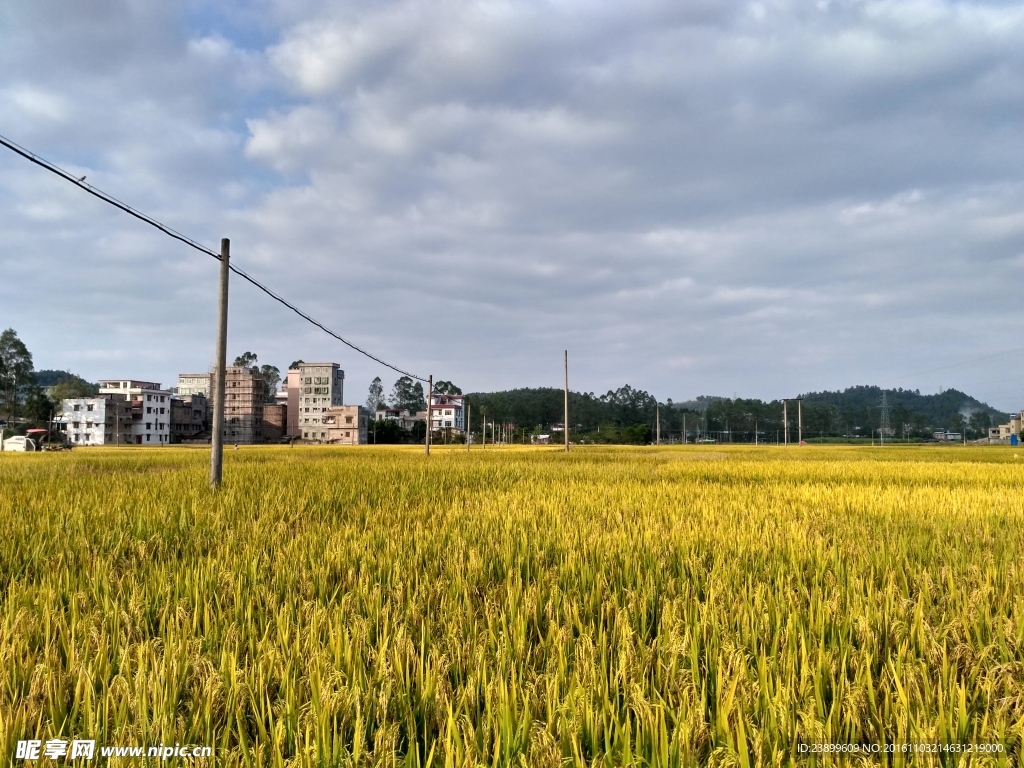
88,407
149,425
148,438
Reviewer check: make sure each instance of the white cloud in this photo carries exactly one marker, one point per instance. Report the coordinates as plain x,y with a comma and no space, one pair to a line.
836,185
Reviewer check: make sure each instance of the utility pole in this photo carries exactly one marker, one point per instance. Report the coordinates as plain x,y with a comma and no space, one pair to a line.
217,438
430,416
657,416
684,427
469,432
785,421
800,420
565,421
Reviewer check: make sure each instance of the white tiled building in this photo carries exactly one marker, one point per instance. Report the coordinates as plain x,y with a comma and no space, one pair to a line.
194,384
447,412
321,386
103,420
150,409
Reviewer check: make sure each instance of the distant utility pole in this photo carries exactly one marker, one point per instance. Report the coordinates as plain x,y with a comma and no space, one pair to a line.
657,416
469,431
785,421
800,420
684,427
565,421
430,404
217,438
883,428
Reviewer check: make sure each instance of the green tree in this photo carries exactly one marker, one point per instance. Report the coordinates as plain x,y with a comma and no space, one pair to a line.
295,364
38,408
375,397
16,374
72,387
387,432
271,379
446,388
51,378
246,360
407,394
980,422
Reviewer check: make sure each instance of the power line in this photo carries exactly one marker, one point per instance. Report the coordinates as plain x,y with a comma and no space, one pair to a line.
963,363
111,200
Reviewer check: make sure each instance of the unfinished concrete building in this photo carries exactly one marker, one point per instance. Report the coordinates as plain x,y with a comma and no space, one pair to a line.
344,425
190,419
245,392
275,418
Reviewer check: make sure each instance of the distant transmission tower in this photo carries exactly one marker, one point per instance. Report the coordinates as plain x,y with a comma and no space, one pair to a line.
885,429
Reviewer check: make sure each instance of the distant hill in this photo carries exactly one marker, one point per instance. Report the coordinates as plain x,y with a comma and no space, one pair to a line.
50,378
941,409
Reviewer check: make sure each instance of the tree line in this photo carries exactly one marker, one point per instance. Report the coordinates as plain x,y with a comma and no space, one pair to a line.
630,415
624,415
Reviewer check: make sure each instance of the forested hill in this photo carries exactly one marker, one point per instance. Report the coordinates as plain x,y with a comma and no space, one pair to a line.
854,411
944,408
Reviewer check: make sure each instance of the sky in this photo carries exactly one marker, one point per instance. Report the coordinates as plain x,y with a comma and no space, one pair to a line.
753,199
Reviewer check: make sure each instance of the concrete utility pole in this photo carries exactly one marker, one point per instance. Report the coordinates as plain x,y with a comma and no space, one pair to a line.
565,422
430,416
469,432
217,438
684,427
657,417
785,420
800,420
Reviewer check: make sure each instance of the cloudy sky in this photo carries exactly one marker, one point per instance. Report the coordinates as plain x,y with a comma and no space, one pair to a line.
694,197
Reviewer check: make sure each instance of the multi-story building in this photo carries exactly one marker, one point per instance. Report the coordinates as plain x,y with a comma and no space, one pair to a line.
150,409
405,419
1004,432
194,384
321,387
190,418
292,396
275,420
101,420
446,412
344,425
245,393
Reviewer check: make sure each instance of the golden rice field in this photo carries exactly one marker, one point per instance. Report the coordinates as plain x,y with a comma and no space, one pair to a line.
517,607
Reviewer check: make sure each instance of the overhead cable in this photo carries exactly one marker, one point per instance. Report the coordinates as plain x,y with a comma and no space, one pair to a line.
111,200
